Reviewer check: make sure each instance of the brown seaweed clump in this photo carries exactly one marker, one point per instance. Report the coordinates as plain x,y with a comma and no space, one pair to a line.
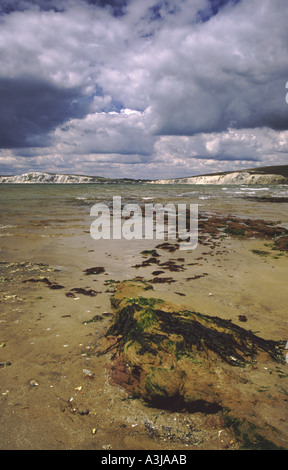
94,270
281,244
244,228
179,359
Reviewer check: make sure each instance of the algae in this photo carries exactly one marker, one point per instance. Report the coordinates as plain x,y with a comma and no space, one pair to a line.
178,359
195,332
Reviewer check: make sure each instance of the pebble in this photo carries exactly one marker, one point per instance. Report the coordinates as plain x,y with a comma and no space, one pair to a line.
34,383
4,364
107,446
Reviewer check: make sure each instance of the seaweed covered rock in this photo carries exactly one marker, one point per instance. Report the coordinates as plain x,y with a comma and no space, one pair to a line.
281,244
243,228
179,359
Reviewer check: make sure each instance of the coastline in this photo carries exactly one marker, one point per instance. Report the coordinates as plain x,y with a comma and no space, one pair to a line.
51,339
272,175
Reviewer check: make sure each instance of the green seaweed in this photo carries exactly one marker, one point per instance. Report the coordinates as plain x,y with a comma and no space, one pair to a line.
144,301
260,252
195,332
172,352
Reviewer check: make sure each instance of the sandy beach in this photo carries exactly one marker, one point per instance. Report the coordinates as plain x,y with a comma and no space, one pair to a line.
55,389
122,121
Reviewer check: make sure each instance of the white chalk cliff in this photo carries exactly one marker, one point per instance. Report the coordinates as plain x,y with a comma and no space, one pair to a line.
265,175
42,177
237,177
39,177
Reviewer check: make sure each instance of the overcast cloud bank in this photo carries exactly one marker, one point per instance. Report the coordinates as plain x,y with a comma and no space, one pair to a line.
142,89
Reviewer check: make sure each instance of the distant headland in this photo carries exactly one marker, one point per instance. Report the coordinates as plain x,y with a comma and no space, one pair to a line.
263,175
56,178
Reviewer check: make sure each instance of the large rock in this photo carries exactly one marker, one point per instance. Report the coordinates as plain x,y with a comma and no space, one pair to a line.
179,359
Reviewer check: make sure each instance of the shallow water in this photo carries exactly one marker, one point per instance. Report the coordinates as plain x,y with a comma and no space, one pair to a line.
45,233
35,207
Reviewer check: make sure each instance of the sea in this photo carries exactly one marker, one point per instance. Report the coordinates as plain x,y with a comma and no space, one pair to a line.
35,208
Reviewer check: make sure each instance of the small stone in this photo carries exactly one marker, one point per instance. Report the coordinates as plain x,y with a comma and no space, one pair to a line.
34,383
242,318
4,364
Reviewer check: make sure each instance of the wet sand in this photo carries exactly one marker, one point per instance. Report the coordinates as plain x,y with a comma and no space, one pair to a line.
55,392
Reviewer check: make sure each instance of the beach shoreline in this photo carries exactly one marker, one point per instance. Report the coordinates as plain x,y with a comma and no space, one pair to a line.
55,390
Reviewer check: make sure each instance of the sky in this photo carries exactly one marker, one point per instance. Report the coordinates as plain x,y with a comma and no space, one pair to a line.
143,88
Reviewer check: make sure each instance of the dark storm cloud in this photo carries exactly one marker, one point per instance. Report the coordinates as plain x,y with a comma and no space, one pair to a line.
228,72
30,109
117,7
239,104
9,6
212,8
